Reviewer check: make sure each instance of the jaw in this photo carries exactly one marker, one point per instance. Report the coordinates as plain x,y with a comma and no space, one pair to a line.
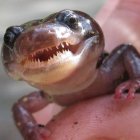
70,68
72,76
54,72
47,53
54,57
65,73
51,64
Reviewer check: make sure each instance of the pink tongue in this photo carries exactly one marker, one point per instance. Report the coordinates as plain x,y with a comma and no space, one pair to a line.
122,23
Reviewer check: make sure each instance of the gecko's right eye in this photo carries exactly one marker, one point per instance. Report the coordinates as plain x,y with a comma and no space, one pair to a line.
11,34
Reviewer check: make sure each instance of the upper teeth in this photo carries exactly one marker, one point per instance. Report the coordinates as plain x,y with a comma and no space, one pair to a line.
62,45
60,56
67,44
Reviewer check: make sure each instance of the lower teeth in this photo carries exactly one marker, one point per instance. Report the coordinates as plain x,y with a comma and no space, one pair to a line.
61,56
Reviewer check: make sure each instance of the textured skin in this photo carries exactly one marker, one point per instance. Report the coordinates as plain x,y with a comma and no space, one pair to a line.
124,59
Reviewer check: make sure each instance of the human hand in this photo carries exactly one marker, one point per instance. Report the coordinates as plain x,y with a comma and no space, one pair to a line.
104,118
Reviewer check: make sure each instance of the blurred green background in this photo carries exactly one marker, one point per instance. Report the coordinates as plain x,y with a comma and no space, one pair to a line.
15,12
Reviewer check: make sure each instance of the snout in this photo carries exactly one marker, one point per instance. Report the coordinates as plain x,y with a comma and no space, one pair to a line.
45,36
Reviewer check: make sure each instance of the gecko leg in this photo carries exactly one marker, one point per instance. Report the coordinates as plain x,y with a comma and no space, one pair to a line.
25,122
131,86
124,60
131,60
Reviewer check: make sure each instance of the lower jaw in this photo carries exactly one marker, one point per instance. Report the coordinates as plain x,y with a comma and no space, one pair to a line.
51,71
49,64
46,76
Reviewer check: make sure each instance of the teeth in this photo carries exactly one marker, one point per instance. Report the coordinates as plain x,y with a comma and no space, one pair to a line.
67,43
57,47
54,56
62,45
59,55
38,61
32,55
45,50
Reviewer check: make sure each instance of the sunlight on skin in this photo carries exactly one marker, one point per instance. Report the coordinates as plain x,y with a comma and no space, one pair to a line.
49,111
105,118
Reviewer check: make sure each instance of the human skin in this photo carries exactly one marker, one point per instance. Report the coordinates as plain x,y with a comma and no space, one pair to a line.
104,118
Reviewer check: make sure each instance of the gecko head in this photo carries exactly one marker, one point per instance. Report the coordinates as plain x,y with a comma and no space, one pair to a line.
49,50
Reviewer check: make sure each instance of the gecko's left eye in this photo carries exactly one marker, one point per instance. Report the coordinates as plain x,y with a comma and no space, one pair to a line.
70,20
11,34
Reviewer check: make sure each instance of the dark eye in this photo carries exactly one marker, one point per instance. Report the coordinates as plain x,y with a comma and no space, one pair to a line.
11,34
72,21
69,19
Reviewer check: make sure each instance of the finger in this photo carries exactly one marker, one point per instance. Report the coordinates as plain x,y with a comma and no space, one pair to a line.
121,23
106,11
103,118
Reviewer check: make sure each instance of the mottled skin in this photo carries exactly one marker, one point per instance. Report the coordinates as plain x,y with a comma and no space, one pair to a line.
83,72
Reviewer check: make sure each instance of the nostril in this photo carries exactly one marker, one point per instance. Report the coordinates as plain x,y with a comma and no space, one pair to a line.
11,34
8,38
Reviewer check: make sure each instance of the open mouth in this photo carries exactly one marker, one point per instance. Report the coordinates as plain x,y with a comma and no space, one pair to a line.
50,55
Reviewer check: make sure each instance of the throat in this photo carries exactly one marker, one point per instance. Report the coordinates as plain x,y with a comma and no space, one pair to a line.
76,82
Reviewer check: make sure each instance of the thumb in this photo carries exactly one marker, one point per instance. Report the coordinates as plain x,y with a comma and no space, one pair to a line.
120,23
102,118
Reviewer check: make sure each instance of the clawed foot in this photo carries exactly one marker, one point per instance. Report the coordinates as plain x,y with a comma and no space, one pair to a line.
130,87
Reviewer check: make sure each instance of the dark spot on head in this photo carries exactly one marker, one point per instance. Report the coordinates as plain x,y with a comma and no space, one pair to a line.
41,125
